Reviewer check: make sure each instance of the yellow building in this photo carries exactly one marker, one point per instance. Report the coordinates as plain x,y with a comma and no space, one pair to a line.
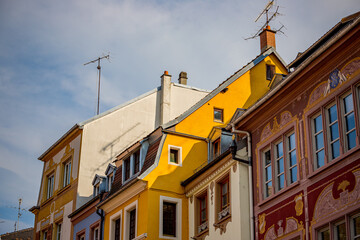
148,201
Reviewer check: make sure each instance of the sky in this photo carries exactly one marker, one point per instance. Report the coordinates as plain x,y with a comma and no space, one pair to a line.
45,88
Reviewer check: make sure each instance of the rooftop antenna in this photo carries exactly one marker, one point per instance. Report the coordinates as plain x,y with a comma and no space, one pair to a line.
266,12
99,70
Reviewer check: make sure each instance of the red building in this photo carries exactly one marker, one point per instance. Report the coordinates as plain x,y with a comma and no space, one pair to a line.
305,143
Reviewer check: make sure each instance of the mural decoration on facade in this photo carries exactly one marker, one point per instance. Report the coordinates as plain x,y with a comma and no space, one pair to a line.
285,118
212,192
291,225
337,196
262,223
336,78
299,204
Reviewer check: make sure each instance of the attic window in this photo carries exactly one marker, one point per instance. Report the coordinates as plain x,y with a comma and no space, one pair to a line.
218,115
270,72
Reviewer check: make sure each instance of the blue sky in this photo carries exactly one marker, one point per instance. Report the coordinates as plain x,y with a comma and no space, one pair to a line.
45,89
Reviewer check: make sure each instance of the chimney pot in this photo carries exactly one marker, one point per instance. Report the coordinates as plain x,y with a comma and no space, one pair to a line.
166,72
183,78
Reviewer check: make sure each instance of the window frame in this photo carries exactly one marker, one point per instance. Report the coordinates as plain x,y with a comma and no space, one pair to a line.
178,217
335,97
221,111
179,155
58,233
127,210
198,212
66,172
50,192
113,218
220,209
270,145
270,71
93,228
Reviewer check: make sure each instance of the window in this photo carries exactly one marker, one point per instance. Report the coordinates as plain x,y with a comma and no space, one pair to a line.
348,118
270,72
328,141
324,234
97,189
279,164
340,231
110,180
136,161
115,226
355,227
223,198
170,218
201,213
66,173
127,168
58,231
81,237
50,186
130,224
218,115
174,155
44,235
94,233
216,148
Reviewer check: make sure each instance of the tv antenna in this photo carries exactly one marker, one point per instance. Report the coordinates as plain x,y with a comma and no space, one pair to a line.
16,225
99,71
266,12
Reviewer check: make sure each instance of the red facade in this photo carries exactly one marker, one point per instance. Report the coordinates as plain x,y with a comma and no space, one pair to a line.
306,143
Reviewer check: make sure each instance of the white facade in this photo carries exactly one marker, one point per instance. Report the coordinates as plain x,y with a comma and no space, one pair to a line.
236,225
108,134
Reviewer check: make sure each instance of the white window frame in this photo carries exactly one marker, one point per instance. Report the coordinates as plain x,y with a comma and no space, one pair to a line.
178,203
127,210
67,172
334,227
343,115
179,149
110,179
50,187
58,230
114,217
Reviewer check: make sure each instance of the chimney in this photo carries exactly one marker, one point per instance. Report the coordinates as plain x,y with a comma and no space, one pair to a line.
267,39
183,78
165,98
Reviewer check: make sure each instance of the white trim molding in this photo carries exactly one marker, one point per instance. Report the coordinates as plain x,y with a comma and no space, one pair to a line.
179,149
127,209
112,223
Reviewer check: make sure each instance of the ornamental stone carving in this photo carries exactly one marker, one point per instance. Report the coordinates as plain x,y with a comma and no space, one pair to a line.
299,204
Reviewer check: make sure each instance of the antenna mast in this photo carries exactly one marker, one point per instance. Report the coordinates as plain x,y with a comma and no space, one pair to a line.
265,11
99,69
19,215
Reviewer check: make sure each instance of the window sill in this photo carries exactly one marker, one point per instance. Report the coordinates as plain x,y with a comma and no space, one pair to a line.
63,189
130,178
201,235
276,195
47,201
333,162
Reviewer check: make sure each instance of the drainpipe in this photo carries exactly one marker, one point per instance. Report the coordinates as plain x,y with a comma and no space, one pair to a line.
100,212
233,130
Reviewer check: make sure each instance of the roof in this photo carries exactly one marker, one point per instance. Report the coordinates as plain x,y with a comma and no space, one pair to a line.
224,85
325,38
88,203
21,234
352,21
117,187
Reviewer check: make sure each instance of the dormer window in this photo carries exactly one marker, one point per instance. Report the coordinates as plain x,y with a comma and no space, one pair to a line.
216,148
131,165
97,189
270,72
110,175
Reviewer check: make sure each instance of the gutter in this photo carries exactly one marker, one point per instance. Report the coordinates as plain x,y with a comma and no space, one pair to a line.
251,203
100,212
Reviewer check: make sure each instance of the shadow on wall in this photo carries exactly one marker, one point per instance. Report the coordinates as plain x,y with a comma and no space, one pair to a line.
171,179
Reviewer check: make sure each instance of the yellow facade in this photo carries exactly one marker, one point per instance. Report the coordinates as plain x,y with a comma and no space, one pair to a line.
189,135
55,204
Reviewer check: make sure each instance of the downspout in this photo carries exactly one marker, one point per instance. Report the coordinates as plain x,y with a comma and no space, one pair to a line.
100,212
233,130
